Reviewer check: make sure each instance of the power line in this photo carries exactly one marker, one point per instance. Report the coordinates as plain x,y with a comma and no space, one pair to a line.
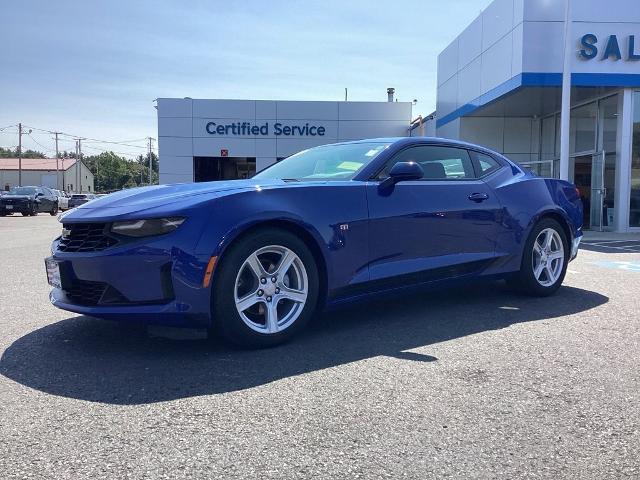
39,144
123,143
113,151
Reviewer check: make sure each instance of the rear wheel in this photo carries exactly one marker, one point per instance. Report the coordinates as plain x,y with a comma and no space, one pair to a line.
54,211
266,289
544,261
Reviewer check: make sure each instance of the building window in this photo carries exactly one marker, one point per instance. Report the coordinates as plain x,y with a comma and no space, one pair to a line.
634,200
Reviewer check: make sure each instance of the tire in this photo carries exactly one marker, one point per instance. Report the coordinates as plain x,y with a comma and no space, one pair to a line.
54,211
544,264
235,280
26,214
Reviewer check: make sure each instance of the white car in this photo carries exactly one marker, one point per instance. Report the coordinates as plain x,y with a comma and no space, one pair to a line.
63,200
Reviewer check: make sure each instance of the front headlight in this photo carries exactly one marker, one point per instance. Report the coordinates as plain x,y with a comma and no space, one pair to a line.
147,227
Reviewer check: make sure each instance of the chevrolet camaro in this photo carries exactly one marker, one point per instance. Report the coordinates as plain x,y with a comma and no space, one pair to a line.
254,259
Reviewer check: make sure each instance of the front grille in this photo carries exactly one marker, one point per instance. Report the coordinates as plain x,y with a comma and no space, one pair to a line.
83,292
85,237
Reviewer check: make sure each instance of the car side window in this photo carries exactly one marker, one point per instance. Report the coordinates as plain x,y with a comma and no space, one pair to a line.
438,163
486,163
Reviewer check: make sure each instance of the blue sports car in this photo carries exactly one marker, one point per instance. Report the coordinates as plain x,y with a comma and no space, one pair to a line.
254,259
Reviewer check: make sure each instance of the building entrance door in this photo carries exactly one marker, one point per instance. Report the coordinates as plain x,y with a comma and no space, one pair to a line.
208,169
589,177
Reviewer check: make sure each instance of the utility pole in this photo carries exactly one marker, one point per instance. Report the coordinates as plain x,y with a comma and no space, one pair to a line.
150,161
20,154
57,167
79,165
76,179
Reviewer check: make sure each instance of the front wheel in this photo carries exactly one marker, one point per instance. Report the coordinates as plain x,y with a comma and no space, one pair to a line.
266,289
544,260
54,211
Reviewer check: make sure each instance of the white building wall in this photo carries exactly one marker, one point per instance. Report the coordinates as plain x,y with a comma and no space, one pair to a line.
512,38
10,178
182,129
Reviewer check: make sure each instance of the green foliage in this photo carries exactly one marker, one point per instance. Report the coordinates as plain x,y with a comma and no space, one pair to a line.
8,153
113,172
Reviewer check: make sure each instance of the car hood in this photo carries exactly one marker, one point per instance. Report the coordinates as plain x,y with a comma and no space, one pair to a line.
163,194
160,199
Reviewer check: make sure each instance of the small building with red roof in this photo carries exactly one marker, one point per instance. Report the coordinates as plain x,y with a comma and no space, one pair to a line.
62,174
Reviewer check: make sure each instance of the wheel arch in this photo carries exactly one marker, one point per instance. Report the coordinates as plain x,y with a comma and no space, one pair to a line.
560,218
292,227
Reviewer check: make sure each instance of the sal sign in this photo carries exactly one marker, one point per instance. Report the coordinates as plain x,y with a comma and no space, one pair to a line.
611,47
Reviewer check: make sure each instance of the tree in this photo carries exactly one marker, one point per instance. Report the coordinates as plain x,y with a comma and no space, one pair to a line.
8,153
113,172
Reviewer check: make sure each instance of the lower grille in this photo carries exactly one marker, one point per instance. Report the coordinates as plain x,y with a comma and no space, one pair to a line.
87,293
85,237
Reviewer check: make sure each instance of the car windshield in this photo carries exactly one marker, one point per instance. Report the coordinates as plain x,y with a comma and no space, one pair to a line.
329,162
22,191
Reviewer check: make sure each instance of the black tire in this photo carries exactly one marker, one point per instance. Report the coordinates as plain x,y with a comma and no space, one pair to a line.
525,280
54,211
26,214
226,319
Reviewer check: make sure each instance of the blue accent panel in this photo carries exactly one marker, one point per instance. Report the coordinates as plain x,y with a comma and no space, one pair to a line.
545,79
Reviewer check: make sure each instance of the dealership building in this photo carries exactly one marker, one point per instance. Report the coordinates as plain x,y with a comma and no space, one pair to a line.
205,140
499,85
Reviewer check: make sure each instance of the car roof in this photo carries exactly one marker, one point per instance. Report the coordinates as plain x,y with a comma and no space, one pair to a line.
408,140
400,141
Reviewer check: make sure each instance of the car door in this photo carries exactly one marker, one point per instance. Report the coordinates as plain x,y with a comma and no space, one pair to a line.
442,225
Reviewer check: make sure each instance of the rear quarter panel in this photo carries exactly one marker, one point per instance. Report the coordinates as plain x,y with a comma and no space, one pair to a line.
525,200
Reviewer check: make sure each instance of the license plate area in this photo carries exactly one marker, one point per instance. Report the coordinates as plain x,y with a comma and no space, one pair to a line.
53,272
9,207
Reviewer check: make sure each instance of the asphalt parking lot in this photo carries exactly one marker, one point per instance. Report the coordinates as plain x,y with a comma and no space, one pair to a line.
476,382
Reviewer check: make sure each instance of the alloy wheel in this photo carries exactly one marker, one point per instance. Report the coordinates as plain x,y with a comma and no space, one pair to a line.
271,289
548,257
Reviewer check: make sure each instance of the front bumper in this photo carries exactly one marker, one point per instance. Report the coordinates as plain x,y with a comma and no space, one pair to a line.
174,313
153,280
18,207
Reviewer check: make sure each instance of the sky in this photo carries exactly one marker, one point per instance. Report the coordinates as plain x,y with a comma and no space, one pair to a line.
93,68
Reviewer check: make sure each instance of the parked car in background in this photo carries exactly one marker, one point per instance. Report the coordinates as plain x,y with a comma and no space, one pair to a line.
63,200
29,201
80,199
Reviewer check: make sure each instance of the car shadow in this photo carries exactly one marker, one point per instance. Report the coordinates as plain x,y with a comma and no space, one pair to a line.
99,361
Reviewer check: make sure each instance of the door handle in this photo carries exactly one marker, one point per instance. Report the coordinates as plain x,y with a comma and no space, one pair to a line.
478,197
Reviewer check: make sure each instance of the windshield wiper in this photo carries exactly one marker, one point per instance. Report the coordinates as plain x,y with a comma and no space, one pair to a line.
290,179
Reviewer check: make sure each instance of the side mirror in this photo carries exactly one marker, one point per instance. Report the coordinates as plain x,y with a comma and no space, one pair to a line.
38,195
403,172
